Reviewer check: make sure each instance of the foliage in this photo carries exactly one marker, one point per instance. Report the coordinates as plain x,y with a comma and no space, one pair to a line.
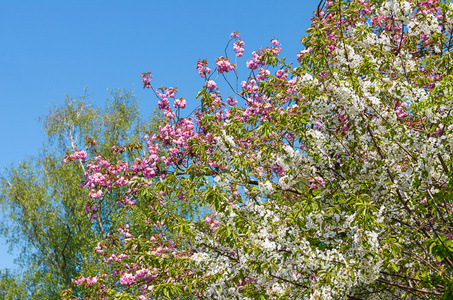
11,286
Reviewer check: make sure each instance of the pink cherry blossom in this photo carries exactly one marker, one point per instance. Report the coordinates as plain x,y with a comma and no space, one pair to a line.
211,85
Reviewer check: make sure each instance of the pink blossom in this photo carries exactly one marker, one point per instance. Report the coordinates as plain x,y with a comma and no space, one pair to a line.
224,65
97,178
232,101
255,62
127,279
149,172
275,42
263,74
438,132
180,102
316,183
169,114
251,64
211,85
146,78
99,249
400,113
78,154
143,273
121,181
202,67
234,35
238,47
127,201
281,74
95,194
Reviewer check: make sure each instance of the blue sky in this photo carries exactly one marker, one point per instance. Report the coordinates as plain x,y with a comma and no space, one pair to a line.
50,49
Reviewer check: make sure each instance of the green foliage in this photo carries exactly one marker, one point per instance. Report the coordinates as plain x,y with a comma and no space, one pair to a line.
12,287
43,203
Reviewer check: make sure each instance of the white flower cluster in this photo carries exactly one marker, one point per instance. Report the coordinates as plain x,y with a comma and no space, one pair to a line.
348,56
398,10
309,246
265,188
428,26
224,144
449,17
307,80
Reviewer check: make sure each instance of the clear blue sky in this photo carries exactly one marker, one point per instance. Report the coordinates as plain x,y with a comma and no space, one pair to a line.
49,49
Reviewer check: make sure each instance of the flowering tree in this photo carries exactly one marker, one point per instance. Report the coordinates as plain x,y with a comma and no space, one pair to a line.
328,180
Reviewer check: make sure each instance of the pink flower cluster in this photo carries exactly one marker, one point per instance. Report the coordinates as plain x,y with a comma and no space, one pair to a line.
126,202
78,154
169,114
257,59
211,85
180,102
344,119
125,231
234,35
85,281
121,181
95,194
164,94
89,207
232,101
99,248
202,68
146,78
439,131
250,86
127,279
400,113
316,183
255,62
281,74
113,257
224,65
263,74
238,47
213,224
